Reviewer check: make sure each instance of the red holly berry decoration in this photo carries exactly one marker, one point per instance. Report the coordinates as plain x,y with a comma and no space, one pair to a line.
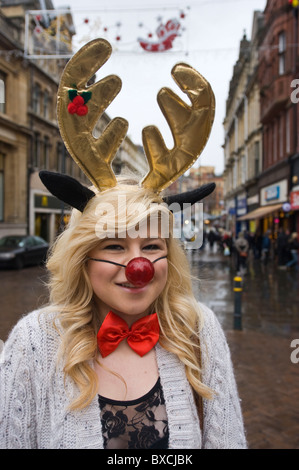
78,102
140,271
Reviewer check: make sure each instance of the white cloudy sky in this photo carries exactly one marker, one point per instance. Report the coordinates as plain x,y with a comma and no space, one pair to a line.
210,44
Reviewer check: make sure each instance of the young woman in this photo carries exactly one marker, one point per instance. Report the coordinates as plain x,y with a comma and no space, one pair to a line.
58,391
123,357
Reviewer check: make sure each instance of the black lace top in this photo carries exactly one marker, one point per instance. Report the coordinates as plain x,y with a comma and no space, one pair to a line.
135,424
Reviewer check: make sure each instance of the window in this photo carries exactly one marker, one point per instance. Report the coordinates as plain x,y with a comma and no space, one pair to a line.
288,133
275,141
46,109
281,53
1,187
36,98
36,150
2,92
45,154
59,153
235,169
256,158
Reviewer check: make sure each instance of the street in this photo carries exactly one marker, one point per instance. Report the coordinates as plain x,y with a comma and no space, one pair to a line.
261,351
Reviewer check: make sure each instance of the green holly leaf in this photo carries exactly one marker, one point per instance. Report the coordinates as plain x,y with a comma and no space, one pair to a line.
72,94
86,95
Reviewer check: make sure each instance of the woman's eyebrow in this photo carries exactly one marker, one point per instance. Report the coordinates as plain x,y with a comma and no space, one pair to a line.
156,239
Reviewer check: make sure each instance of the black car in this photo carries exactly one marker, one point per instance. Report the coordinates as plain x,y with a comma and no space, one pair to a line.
17,251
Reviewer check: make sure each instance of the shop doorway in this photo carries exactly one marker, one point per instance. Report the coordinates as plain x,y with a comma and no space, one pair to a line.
42,226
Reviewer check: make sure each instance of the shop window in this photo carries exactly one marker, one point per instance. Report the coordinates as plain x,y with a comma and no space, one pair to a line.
2,92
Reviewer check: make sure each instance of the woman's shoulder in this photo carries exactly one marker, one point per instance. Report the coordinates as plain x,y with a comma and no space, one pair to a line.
35,330
208,319
211,333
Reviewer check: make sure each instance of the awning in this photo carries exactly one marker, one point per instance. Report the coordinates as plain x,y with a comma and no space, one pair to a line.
260,212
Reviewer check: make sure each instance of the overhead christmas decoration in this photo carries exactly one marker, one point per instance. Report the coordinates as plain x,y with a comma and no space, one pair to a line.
166,34
55,33
159,34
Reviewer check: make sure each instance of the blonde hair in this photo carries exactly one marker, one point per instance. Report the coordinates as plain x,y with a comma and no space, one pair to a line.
71,293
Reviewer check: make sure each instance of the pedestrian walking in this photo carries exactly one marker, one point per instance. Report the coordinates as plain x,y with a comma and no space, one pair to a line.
293,246
281,246
266,247
242,249
123,356
257,241
211,239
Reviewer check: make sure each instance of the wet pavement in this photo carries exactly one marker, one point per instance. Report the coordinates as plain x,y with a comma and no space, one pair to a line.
267,379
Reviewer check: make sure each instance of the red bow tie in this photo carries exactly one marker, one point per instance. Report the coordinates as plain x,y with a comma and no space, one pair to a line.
141,337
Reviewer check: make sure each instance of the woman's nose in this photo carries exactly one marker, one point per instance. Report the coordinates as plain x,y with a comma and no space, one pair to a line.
140,271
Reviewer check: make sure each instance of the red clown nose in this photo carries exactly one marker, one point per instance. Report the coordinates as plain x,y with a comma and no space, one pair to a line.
140,271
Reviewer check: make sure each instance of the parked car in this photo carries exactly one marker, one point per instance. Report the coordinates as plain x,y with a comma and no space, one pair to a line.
17,251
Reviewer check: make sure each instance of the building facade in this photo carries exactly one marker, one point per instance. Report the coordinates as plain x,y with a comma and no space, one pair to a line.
278,68
261,126
243,133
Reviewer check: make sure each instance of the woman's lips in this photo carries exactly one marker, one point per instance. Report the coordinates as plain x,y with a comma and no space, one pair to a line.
130,287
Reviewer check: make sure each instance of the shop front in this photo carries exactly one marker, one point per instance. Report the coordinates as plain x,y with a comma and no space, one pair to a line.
294,202
48,215
272,213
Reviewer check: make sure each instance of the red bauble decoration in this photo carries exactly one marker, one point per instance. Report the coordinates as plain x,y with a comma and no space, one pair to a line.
140,271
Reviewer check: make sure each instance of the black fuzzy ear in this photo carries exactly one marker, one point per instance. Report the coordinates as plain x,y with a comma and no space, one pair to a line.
190,197
67,189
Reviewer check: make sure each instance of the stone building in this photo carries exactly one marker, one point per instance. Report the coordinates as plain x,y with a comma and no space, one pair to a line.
15,133
243,134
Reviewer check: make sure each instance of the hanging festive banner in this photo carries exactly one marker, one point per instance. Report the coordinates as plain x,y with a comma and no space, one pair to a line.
59,33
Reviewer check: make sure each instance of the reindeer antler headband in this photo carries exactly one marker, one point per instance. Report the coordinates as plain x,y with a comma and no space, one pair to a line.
190,127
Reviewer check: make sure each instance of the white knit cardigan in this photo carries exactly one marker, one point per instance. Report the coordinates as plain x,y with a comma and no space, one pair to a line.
34,396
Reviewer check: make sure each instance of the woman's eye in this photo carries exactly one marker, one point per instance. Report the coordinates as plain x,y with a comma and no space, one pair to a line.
113,247
152,247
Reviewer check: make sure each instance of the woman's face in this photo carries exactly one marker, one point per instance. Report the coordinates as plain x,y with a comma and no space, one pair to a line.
112,289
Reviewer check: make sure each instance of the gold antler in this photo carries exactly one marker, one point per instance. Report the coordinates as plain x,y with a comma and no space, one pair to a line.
190,127
93,156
